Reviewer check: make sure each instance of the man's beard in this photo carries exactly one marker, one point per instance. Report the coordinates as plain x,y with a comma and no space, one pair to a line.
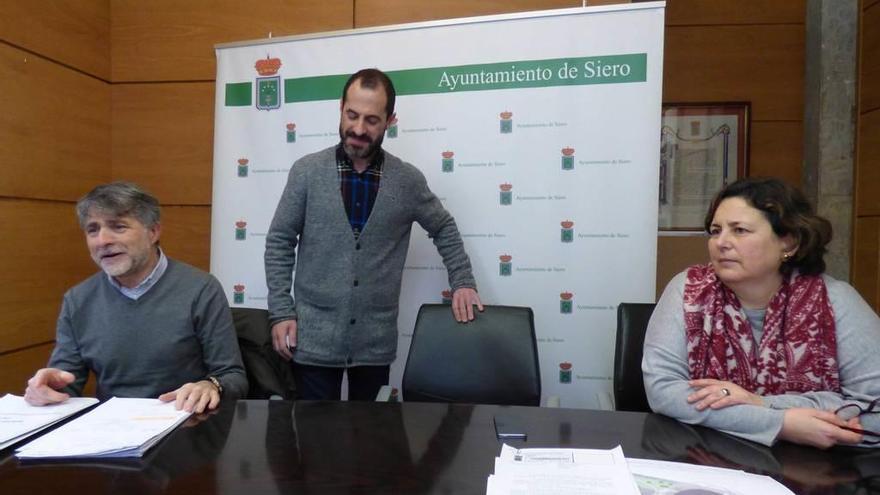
368,151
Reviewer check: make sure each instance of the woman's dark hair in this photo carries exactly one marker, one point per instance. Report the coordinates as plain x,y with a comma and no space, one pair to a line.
789,213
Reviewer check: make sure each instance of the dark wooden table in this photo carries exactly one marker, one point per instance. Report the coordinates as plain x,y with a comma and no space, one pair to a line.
259,447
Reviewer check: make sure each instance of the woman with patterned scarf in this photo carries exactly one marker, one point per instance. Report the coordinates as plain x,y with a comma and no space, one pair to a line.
759,343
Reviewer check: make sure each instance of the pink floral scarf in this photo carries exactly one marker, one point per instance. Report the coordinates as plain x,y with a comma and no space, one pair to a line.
798,348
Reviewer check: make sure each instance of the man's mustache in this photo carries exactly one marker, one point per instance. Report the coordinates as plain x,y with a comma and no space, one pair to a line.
362,137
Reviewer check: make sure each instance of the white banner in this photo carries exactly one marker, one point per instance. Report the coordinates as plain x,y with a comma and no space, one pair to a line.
538,131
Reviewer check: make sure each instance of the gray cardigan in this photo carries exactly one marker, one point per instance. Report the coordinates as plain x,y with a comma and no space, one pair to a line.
666,374
347,290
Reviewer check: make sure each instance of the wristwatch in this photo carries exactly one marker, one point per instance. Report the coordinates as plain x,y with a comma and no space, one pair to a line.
216,383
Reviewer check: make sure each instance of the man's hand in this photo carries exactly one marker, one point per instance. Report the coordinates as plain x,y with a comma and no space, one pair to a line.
195,397
284,338
718,394
463,302
42,387
817,428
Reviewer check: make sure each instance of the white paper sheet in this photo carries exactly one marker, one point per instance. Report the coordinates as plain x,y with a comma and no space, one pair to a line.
561,472
117,428
668,478
19,420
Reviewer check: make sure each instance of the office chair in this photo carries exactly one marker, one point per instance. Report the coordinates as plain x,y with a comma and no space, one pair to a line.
268,375
629,387
491,360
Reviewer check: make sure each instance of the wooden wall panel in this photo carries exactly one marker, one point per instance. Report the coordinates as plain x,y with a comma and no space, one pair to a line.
369,13
866,259
48,256
72,32
777,150
163,139
869,83
186,234
54,128
868,167
763,64
674,254
170,40
19,366
703,13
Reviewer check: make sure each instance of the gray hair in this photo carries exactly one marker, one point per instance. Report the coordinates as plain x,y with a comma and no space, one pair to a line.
119,199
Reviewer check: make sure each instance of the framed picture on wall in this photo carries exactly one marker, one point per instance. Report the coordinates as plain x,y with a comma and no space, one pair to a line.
703,146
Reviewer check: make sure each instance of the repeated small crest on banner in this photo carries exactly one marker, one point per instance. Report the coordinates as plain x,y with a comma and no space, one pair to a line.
238,294
391,131
565,372
567,158
506,122
240,230
448,163
268,84
505,268
506,197
566,304
567,233
291,132
243,167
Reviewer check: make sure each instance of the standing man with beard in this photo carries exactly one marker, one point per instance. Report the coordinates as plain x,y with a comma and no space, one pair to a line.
343,222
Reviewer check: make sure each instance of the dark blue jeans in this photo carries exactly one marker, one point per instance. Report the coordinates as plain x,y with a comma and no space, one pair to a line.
325,383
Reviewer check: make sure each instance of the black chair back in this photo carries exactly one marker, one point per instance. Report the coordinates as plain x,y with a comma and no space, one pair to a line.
491,360
629,387
267,373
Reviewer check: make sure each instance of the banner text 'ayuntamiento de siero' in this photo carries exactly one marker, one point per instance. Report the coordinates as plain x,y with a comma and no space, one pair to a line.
610,69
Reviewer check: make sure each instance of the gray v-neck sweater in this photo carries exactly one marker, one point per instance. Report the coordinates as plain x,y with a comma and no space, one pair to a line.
179,331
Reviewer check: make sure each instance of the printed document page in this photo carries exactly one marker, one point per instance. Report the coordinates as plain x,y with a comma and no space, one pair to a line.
116,428
19,420
669,478
561,472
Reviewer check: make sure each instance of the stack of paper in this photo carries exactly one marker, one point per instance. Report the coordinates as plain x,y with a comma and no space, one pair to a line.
668,478
561,472
607,472
116,428
19,420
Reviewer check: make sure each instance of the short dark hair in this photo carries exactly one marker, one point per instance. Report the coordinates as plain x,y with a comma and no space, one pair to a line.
370,78
119,199
789,213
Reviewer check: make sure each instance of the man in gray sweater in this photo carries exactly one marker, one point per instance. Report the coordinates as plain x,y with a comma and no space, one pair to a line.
343,222
146,326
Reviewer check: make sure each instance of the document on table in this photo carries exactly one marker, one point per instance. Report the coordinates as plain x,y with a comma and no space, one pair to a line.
19,420
116,428
561,472
667,478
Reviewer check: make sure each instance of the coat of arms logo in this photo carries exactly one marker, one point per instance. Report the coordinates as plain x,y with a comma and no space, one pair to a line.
268,84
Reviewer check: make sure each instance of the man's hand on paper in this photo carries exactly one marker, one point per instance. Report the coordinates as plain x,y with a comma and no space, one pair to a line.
195,397
43,387
196,419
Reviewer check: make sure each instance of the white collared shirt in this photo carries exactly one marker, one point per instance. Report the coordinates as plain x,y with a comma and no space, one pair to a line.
146,284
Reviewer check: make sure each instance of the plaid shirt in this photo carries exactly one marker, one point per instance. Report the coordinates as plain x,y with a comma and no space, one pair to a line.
358,190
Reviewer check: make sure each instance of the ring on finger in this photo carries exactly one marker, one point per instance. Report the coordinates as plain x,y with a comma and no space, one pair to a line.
725,392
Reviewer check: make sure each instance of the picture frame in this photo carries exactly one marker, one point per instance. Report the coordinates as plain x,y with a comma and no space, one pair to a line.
703,147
